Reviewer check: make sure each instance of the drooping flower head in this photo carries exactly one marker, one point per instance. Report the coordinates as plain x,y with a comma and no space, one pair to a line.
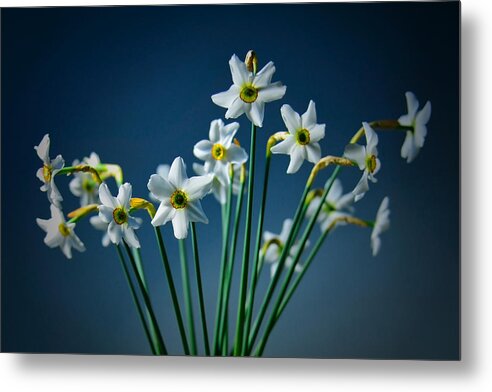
219,186
366,157
180,198
219,151
415,138
47,173
381,224
304,135
115,211
83,184
277,243
336,205
249,92
60,233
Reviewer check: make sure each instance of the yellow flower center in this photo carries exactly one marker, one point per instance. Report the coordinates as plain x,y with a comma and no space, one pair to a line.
218,151
120,216
249,93
47,171
179,199
371,163
63,229
303,136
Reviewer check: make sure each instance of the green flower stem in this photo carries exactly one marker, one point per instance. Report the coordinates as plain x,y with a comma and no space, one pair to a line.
185,277
224,331
290,273
254,275
238,342
300,211
223,264
161,347
199,288
135,300
172,289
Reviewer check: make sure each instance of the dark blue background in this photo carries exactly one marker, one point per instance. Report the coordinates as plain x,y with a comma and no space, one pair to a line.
134,85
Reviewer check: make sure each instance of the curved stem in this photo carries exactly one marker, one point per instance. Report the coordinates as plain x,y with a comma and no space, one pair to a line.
185,277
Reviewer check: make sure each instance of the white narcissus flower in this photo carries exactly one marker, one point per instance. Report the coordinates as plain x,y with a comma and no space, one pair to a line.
163,171
415,138
219,186
249,92
83,184
381,224
274,251
115,211
220,151
367,160
304,135
180,198
336,205
60,233
47,173
100,225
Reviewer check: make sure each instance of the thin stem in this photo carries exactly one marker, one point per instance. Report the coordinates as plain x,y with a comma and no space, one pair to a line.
238,346
172,289
185,278
161,346
223,265
135,299
303,241
199,288
254,275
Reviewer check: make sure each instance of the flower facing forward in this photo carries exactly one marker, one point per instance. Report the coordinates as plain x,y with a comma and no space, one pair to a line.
276,244
115,211
415,138
367,160
336,205
249,92
163,171
381,224
180,198
47,173
219,186
83,184
98,224
304,135
219,151
60,233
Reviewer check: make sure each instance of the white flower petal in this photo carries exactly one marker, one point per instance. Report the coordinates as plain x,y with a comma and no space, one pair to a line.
106,213
291,119
115,232
105,196
264,77
361,188
273,92
313,152
317,132
371,138
199,169
236,108
124,195
198,186
43,149
423,116
98,223
76,242
236,154
240,74
286,228
285,146
163,215
226,98
163,170
195,212
133,222
227,133
214,130
256,113
357,154
309,117
130,237
297,157
160,187
203,150
75,186
180,224
409,150
66,248
177,173
412,104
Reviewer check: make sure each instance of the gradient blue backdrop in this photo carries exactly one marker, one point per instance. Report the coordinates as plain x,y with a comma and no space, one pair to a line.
134,85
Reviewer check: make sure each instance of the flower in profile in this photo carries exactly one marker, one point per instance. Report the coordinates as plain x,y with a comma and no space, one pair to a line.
304,135
219,186
163,171
415,138
115,212
249,93
60,233
276,243
83,184
336,205
220,151
367,160
180,198
47,173
381,224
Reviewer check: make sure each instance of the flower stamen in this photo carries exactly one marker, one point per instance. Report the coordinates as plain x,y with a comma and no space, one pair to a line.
47,172
303,136
179,199
218,151
64,230
120,216
371,163
249,93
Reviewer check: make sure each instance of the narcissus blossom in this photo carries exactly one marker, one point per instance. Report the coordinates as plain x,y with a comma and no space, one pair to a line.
418,120
115,211
220,151
367,160
304,135
60,233
336,205
83,184
249,92
180,198
219,186
381,224
47,173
